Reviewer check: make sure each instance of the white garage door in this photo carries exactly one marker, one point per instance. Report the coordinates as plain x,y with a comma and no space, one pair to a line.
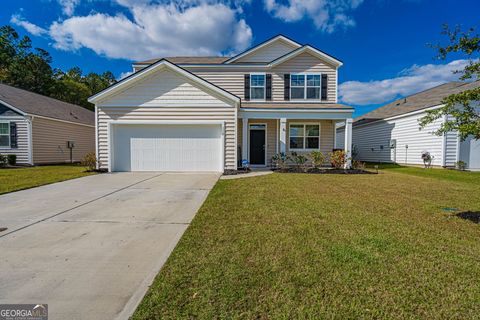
153,147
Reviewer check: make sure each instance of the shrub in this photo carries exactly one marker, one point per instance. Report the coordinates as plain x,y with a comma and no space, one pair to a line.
338,158
90,161
461,165
318,159
3,160
299,160
280,160
12,159
359,165
427,159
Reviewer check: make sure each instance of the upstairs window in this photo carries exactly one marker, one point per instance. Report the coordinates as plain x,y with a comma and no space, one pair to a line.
257,86
305,86
4,135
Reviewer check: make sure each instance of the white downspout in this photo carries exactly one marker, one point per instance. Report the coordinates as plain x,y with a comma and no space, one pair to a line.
348,142
283,135
244,138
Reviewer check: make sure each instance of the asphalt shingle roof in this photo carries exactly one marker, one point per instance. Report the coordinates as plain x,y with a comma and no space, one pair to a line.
418,101
188,60
36,104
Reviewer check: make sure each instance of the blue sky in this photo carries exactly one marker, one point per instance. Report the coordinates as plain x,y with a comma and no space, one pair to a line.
383,43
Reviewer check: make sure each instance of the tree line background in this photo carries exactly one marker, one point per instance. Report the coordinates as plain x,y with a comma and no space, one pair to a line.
29,68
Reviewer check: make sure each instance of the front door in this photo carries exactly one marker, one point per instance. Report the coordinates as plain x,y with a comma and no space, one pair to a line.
257,144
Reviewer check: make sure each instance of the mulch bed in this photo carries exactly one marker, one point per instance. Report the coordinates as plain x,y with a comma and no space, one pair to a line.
324,171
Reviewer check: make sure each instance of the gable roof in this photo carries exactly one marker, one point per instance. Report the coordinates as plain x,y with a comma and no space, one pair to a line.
154,68
418,101
214,61
312,50
26,102
264,44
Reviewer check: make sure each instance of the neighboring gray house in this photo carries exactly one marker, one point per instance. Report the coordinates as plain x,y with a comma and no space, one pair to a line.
210,113
392,133
37,128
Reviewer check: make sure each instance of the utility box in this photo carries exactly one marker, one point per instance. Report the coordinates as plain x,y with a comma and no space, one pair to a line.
393,144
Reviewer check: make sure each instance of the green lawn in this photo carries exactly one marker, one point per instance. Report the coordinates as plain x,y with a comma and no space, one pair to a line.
435,173
326,247
29,177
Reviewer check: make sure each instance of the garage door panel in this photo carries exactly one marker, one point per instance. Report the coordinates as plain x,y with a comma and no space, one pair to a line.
168,148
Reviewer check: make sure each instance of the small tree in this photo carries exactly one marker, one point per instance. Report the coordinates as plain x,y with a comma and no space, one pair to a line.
465,118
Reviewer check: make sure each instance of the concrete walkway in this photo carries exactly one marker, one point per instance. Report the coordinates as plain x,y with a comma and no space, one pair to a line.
90,247
253,173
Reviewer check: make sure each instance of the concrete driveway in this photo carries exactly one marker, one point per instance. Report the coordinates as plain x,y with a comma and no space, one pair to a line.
90,247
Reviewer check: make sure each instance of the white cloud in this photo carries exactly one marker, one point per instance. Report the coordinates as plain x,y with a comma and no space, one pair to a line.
409,81
68,6
30,27
156,30
124,75
327,15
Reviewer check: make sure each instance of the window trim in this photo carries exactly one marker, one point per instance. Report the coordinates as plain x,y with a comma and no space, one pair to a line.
8,134
264,74
305,124
305,86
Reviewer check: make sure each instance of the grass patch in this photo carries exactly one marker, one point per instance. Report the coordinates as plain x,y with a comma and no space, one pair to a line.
288,246
434,173
29,177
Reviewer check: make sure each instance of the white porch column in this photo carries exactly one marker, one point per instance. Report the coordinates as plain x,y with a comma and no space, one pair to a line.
348,142
283,135
244,138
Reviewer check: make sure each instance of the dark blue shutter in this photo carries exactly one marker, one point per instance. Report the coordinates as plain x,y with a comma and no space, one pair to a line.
324,86
268,87
247,87
286,83
13,135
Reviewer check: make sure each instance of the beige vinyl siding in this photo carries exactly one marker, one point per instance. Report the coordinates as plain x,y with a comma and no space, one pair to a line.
166,96
267,53
165,88
22,139
232,79
303,63
50,140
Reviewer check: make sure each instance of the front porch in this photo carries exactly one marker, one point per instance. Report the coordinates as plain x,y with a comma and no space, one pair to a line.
263,133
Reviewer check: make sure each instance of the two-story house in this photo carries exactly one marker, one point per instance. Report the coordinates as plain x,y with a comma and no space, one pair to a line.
211,113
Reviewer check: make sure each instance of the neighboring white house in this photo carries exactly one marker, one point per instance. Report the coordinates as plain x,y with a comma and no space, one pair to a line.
392,133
